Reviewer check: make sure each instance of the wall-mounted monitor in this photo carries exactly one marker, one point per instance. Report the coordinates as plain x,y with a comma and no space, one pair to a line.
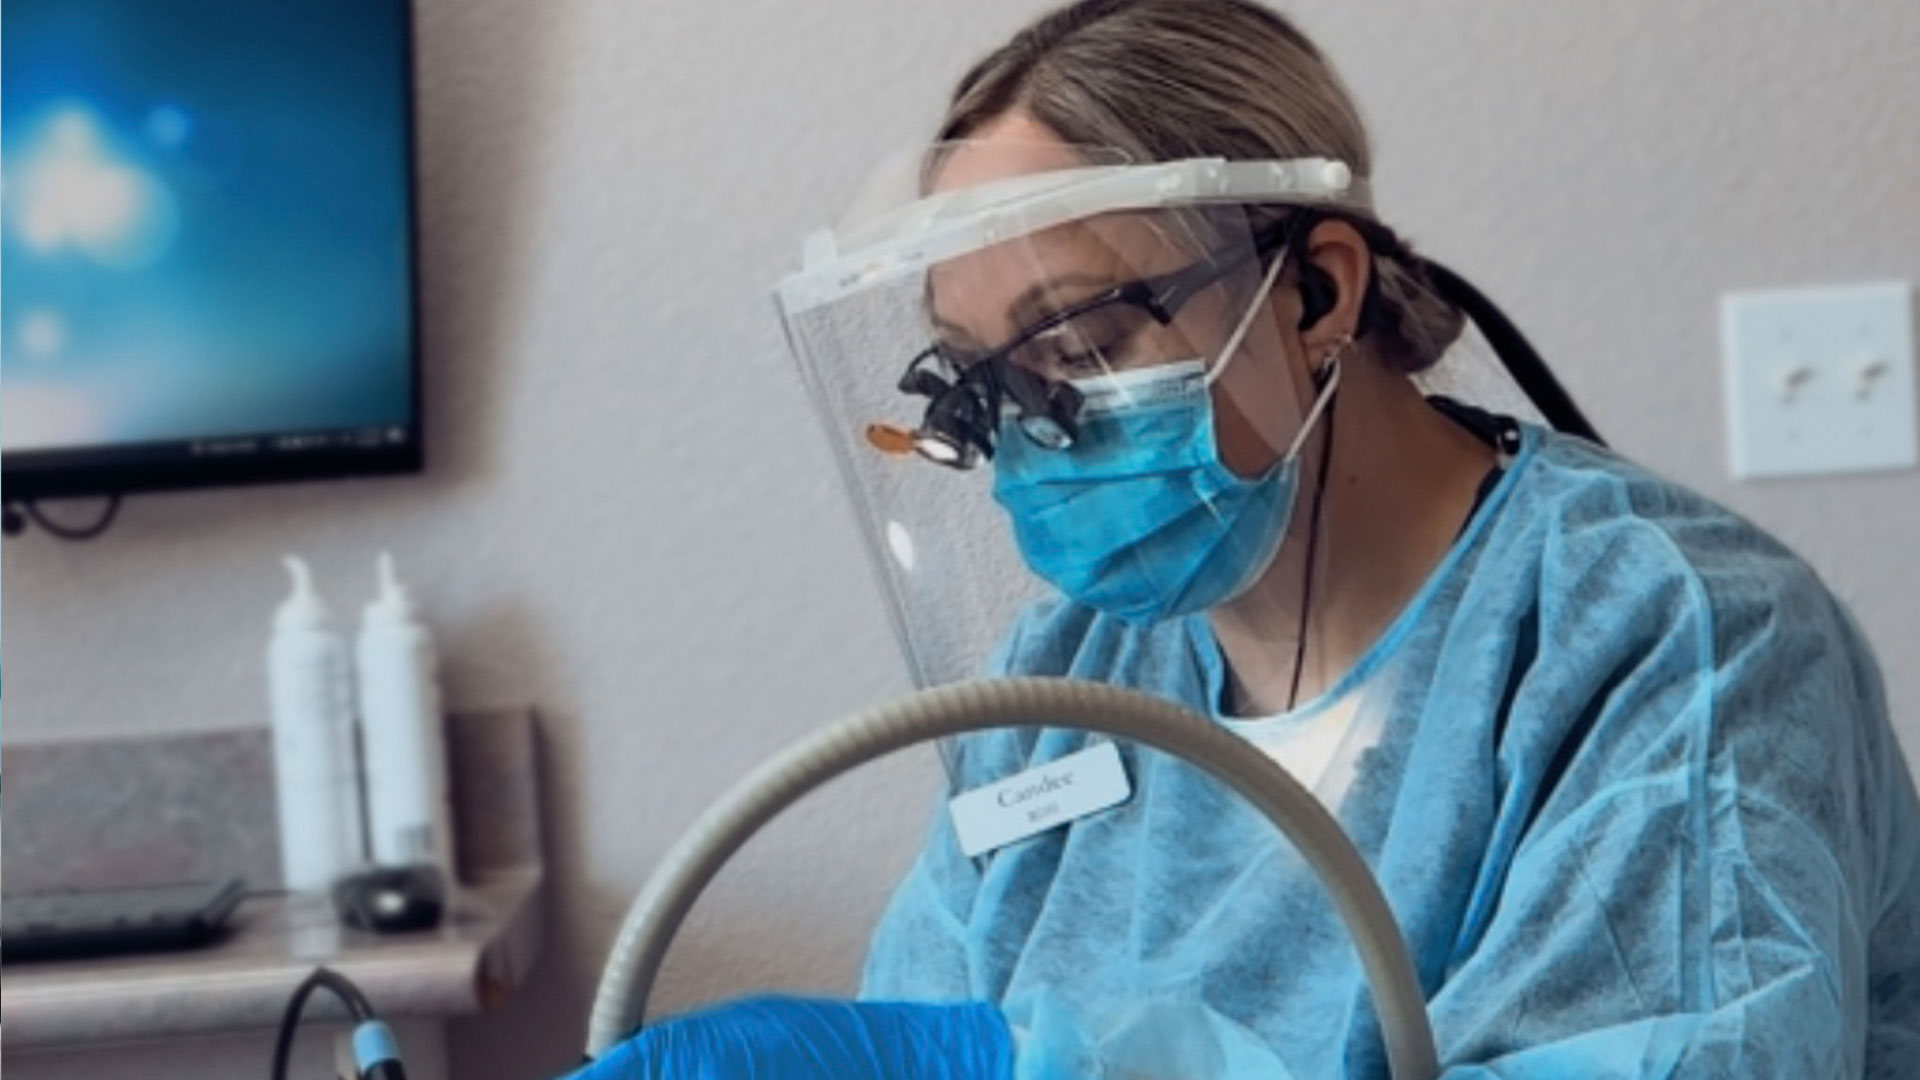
207,255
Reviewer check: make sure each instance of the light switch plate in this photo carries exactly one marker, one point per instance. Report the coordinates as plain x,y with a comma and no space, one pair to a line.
1820,380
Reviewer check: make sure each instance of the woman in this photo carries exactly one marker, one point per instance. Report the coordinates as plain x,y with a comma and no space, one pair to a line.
1620,762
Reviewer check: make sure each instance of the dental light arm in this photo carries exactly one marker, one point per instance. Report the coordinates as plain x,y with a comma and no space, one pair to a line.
620,1005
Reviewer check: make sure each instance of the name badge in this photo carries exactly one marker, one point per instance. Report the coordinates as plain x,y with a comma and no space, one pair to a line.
1039,799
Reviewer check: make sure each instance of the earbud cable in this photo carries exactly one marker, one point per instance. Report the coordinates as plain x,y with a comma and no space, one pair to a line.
1313,551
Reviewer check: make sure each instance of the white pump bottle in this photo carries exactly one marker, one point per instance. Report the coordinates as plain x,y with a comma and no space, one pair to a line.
316,781
401,731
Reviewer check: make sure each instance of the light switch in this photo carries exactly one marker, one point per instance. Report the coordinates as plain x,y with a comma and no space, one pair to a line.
1820,380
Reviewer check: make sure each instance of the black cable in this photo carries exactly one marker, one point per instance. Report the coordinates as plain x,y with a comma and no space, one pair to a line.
18,514
356,1004
1515,351
349,995
1313,551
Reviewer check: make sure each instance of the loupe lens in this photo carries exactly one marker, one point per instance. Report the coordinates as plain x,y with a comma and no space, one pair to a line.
1046,431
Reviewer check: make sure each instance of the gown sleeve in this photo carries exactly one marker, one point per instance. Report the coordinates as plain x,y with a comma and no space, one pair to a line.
1721,824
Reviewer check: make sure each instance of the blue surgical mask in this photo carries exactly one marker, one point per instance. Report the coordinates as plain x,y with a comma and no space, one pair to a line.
1141,518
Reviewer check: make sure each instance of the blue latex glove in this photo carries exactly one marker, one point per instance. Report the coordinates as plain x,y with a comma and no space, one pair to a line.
807,1038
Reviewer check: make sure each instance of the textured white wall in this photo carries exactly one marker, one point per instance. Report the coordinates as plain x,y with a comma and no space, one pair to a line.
609,189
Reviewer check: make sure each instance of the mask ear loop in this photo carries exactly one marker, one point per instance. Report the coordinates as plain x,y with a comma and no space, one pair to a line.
1329,379
1239,334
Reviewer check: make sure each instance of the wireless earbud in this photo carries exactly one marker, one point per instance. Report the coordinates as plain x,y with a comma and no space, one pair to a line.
1318,294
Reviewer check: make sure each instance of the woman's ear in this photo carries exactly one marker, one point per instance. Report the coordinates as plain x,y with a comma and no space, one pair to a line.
1334,280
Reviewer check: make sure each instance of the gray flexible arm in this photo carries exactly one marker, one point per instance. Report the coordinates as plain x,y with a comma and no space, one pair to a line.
632,965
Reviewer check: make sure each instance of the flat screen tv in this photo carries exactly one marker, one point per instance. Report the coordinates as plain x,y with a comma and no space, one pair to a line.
207,253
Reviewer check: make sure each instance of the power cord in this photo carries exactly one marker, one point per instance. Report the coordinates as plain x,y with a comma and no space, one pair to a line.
376,1055
16,515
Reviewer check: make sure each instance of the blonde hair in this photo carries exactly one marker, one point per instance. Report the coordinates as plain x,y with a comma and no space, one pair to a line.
1167,79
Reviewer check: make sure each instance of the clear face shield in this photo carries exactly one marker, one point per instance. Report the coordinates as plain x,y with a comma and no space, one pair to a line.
1047,371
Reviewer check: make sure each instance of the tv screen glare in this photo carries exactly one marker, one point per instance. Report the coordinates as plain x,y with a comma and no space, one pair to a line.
207,253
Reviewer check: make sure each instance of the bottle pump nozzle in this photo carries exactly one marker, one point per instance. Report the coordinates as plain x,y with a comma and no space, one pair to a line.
303,606
394,602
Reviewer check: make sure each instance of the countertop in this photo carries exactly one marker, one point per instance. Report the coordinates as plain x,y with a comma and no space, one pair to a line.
482,950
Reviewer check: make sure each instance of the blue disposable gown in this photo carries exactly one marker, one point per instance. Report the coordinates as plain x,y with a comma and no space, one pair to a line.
1634,799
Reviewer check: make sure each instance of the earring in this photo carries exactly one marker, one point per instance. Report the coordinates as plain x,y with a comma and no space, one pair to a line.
1333,358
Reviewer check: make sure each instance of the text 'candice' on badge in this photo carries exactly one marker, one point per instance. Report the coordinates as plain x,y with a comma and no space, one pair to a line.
1037,800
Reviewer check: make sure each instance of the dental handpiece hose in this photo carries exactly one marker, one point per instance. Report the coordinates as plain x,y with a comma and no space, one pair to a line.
620,1005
